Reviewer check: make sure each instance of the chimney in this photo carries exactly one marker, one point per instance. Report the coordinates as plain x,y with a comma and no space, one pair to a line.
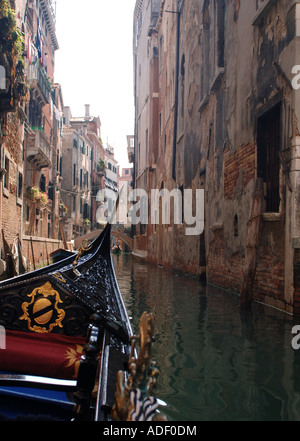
87,112
67,115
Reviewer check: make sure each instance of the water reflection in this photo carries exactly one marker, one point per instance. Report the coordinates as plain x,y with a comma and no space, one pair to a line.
217,363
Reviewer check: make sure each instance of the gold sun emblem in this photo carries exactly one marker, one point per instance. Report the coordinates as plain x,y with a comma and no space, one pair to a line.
73,356
42,312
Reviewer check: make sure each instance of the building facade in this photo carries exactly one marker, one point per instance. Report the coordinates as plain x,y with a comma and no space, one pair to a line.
93,171
13,96
77,185
217,110
43,134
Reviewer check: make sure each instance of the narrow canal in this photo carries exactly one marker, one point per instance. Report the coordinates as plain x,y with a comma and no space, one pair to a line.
216,363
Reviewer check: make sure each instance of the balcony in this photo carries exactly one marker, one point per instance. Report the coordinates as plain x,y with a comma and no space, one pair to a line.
39,149
37,79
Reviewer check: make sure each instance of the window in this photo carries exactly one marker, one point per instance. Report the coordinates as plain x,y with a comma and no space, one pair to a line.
51,191
43,183
86,179
81,178
27,213
86,211
6,174
268,162
74,203
20,185
126,172
74,174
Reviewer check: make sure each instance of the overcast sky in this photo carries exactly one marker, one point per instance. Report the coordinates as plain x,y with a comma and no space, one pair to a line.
94,64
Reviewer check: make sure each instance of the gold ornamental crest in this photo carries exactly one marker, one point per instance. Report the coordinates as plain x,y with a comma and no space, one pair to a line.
42,312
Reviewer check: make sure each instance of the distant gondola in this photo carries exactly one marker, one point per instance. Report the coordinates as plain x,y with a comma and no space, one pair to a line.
65,329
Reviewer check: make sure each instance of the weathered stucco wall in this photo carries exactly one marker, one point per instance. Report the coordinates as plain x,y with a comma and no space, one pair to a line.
235,65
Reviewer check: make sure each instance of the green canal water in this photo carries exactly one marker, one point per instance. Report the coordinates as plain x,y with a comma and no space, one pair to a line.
216,362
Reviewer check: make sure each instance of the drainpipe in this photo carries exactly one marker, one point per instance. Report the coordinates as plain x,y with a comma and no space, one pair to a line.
176,93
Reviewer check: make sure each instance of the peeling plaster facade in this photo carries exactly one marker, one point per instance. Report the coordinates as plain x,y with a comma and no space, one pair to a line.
223,125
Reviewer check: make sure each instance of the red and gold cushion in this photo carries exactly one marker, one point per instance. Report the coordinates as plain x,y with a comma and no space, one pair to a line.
46,355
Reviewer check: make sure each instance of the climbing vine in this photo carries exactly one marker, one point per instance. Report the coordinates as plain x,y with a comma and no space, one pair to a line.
11,39
11,53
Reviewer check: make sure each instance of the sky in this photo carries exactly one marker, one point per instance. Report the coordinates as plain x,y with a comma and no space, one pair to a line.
94,65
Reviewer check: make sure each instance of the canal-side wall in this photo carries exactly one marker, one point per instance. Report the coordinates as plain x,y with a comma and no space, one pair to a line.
256,82
230,110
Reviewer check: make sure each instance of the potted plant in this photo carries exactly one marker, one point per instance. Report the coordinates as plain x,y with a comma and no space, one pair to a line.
44,199
34,193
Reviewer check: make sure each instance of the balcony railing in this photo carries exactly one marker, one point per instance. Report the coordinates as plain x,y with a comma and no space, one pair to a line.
39,148
36,76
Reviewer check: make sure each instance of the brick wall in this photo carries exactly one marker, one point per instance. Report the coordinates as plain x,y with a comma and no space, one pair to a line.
225,270
222,269
269,283
242,161
11,205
